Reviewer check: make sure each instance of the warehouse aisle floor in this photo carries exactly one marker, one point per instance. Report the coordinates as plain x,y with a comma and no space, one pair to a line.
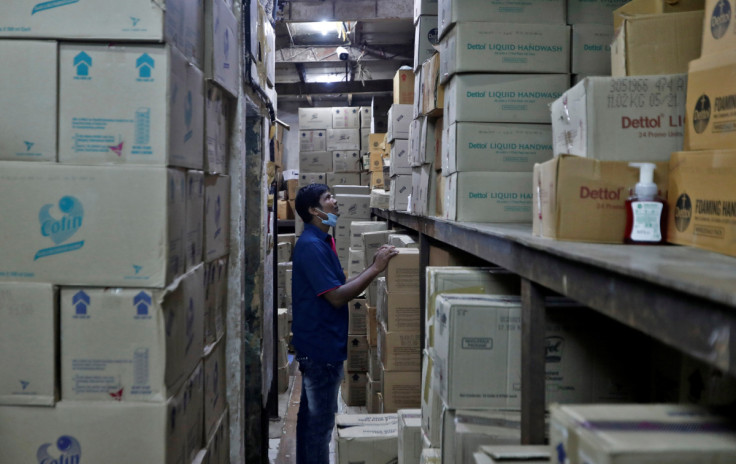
282,432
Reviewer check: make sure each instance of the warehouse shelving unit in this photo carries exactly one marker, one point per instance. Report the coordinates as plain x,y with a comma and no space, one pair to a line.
681,296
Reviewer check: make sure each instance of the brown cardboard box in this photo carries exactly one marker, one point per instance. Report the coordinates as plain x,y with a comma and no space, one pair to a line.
354,388
439,133
357,353
583,199
284,210
402,273
433,97
653,7
649,44
372,390
376,141
440,200
377,180
376,161
404,87
702,200
372,327
711,105
719,27
399,351
292,187
399,312
357,312
401,390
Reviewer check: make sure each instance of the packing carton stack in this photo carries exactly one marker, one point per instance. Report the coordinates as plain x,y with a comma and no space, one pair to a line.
592,33
354,385
119,243
399,121
368,438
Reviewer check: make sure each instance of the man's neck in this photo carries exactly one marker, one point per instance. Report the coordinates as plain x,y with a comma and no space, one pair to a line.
317,222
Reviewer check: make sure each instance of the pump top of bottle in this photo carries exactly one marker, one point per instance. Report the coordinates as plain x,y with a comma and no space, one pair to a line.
645,189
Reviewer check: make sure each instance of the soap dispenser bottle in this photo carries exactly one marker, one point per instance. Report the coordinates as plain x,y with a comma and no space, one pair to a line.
646,211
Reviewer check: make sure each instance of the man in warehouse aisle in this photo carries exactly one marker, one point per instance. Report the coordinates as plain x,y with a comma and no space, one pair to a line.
320,312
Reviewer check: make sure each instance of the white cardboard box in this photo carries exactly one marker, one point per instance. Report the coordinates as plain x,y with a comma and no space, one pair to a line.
365,420
489,197
418,103
173,21
464,431
366,115
217,217
431,402
410,435
29,320
355,262
399,118
358,228
347,189
216,130
591,49
495,147
370,444
501,11
311,178
315,161
28,131
345,118
528,454
194,238
505,47
415,140
215,400
399,158
343,139
424,7
313,140
97,207
502,97
221,45
343,178
592,11
354,207
315,118
130,344
400,193
638,118
347,161
133,104
426,37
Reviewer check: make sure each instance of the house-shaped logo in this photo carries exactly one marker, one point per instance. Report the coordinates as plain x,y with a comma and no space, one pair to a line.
82,63
145,64
142,303
80,301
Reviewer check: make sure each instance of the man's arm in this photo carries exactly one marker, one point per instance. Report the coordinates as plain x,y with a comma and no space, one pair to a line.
354,287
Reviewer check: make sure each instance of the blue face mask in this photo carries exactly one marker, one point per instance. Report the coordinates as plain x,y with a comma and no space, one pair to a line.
331,220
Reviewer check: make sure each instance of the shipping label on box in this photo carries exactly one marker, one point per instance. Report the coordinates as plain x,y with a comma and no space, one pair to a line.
216,130
131,344
312,140
221,45
505,47
489,197
215,400
399,119
502,97
371,444
401,390
347,161
404,87
426,37
29,323
399,351
402,273
146,122
194,235
65,238
354,388
343,139
311,178
595,11
354,207
316,161
357,312
591,49
621,119
583,200
28,132
702,200
496,147
400,193
217,217
500,11
345,118
315,118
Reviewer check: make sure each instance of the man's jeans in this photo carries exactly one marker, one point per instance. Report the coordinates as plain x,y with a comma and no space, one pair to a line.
317,408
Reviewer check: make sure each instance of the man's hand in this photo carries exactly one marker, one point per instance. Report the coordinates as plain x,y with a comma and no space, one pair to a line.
383,256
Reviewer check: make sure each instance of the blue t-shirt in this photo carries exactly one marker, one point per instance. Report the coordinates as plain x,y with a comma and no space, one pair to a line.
320,331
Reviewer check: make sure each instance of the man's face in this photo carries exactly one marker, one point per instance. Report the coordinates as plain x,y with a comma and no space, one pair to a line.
328,203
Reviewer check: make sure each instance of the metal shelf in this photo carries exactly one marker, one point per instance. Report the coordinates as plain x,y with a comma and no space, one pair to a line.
684,297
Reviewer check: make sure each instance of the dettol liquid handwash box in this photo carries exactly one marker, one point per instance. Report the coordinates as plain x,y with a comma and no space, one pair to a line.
91,225
128,104
501,11
502,97
489,197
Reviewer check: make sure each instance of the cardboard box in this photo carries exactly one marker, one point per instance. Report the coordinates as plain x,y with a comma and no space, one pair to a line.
400,193
364,141
372,390
194,236
504,47
701,200
399,119
653,7
591,49
398,312
315,118
117,105
347,189
345,118
464,431
357,312
310,178
380,198
399,351
415,137
410,435
496,147
500,11
284,210
375,142
221,48
356,265
218,444
500,454
28,133
312,141
372,324
343,139
648,44
424,7
347,161
431,402
401,390
372,241
29,321
72,246
215,399
370,444
433,92
402,241
639,443
404,87
283,282
366,115
468,197
217,217
363,420
353,388
426,37
502,97
399,158
402,273
719,27
374,362
216,130
595,12
583,200
431,456
358,228
416,108
427,143
354,206
319,161
621,119
212,320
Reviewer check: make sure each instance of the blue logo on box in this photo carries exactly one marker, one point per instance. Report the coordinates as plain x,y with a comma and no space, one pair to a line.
70,452
82,64
50,5
59,230
80,301
720,19
142,303
29,145
145,64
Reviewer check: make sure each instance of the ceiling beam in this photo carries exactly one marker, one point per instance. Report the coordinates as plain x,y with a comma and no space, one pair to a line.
347,10
320,88
319,54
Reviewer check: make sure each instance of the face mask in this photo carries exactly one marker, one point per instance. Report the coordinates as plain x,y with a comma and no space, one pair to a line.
331,220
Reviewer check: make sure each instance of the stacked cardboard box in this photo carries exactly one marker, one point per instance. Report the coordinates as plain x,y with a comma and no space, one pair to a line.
128,269
368,438
399,120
